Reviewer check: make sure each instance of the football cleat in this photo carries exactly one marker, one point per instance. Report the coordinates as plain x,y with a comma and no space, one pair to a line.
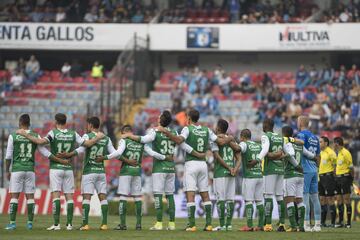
316,228
339,225
290,229
104,227
258,229
229,228
301,229
171,226
69,227
348,225
84,228
268,228
157,227
208,228
138,227
190,229
29,226
10,226
121,227
219,228
54,228
281,228
246,229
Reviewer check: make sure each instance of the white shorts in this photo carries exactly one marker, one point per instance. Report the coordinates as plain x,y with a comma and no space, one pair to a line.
93,181
22,182
196,176
252,189
163,183
129,186
294,187
224,188
274,185
62,180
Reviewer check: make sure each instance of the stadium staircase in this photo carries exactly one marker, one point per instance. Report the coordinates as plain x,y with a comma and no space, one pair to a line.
50,95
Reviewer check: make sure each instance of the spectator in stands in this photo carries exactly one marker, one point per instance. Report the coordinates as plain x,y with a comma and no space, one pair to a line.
218,72
60,15
21,65
340,81
32,70
5,13
140,121
97,70
213,105
224,84
345,16
126,17
65,70
313,74
16,81
76,69
48,14
178,16
326,75
102,17
203,82
147,16
302,78
354,75
37,15
234,9
183,78
91,16
138,17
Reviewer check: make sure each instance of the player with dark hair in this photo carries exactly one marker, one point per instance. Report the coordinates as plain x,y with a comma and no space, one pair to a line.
163,172
327,184
225,171
61,140
344,179
93,177
130,153
252,185
20,157
196,172
272,147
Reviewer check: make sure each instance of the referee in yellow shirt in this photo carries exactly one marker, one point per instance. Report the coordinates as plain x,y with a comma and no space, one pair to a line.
344,179
327,185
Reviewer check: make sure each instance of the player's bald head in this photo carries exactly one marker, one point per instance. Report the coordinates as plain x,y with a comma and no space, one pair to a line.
303,122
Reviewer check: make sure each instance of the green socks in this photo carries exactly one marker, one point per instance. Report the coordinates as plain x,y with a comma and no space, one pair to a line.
158,207
171,203
69,212
104,211
221,212
291,214
249,211
261,211
30,208
191,214
282,210
85,211
208,213
138,210
268,210
301,214
229,212
13,209
56,211
122,211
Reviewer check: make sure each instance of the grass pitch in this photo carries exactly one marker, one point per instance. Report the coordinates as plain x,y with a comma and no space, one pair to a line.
42,222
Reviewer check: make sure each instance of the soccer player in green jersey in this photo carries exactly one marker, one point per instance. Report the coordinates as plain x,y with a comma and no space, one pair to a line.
20,155
93,176
294,179
273,173
163,172
196,171
61,140
131,153
252,185
225,170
